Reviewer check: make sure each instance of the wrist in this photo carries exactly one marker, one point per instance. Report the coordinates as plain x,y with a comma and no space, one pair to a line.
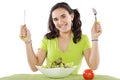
28,41
94,37
94,40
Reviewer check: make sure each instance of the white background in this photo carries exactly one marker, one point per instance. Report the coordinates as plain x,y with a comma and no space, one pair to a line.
12,50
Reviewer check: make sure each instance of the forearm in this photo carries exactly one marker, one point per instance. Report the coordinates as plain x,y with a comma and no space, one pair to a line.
31,57
94,56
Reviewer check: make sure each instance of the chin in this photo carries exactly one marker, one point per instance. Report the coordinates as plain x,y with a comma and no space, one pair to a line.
66,31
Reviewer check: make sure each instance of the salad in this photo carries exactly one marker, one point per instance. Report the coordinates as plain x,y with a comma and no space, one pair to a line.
58,63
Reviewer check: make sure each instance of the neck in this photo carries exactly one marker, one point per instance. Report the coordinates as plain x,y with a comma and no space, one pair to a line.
65,35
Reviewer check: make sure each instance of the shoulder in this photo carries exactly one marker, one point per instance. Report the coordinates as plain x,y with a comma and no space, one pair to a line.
45,39
84,36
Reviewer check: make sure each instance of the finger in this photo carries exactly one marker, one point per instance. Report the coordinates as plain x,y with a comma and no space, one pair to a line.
93,28
23,26
98,27
28,33
23,31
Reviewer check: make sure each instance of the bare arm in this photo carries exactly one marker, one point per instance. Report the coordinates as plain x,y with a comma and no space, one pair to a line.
33,59
92,55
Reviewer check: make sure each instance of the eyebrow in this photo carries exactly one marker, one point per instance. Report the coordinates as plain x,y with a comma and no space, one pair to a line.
60,15
63,14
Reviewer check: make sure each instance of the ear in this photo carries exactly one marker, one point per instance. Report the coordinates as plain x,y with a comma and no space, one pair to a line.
72,16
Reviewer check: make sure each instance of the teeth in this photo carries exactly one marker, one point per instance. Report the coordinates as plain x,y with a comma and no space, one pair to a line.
63,26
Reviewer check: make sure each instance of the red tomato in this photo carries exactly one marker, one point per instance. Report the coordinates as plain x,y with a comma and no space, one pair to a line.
88,74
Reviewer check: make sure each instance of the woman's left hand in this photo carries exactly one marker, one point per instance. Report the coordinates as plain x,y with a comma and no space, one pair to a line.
96,30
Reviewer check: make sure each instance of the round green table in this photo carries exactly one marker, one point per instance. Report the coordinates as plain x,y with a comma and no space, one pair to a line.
42,77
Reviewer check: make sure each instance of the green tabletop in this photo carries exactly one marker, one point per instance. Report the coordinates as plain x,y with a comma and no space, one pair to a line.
42,77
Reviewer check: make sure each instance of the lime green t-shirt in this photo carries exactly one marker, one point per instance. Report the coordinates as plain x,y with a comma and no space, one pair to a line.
74,52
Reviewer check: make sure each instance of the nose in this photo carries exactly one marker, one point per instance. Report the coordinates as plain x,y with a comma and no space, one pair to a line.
60,22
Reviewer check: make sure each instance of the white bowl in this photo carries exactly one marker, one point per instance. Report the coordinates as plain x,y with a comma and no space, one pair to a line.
56,72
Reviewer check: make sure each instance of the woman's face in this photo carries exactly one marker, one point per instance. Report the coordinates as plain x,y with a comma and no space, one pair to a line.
62,19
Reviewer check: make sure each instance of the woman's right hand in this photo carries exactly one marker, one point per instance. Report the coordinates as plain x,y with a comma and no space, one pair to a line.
25,34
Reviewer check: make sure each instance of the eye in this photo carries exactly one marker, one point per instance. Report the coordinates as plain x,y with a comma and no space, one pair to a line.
63,16
55,19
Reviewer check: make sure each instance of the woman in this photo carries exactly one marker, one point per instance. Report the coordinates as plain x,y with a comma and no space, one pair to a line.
64,40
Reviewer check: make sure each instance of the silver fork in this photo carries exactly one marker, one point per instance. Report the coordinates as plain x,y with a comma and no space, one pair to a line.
95,13
24,17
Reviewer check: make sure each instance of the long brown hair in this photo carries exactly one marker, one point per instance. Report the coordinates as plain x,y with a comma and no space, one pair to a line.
76,27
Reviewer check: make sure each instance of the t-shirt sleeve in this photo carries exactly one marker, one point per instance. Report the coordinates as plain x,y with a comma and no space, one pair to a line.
87,43
43,44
